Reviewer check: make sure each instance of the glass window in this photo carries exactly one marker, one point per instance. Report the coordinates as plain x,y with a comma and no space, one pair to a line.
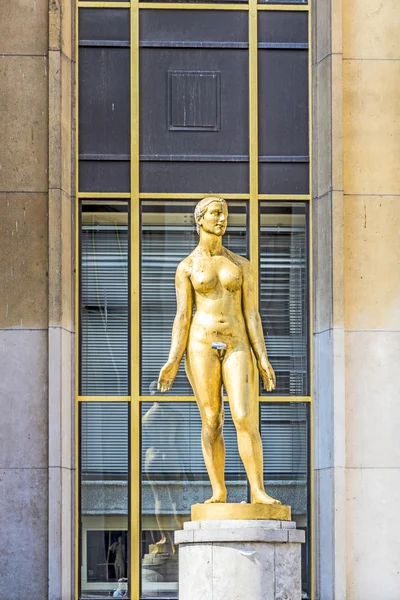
168,236
104,526
285,438
104,298
284,293
173,478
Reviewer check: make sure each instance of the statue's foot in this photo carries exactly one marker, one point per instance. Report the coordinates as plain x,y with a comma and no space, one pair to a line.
161,542
260,497
218,496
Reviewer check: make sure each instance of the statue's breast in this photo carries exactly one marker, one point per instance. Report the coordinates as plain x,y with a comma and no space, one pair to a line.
208,275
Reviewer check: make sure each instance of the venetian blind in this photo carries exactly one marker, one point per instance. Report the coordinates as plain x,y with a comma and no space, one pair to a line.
104,310
284,304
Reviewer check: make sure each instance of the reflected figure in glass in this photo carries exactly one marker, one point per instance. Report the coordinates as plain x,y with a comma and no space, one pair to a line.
219,340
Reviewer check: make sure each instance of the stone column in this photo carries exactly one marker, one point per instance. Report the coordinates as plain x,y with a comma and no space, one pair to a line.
239,560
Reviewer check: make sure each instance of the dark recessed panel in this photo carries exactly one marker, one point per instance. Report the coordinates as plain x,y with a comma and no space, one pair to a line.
283,103
98,24
104,102
104,176
194,177
194,102
175,26
282,27
283,178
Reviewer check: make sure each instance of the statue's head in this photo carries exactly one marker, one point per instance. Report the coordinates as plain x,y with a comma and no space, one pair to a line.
216,210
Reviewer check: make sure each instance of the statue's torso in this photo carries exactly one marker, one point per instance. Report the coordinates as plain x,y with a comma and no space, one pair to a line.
217,283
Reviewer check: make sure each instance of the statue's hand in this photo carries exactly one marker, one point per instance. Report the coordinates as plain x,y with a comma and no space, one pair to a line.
267,374
167,376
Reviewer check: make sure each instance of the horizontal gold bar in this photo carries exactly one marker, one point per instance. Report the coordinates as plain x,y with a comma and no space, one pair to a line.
285,399
187,6
167,399
86,4
109,195
293,197
299,7
171,196
104,398
193,399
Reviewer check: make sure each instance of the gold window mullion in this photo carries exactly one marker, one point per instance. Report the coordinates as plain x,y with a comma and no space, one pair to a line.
134,463
253,163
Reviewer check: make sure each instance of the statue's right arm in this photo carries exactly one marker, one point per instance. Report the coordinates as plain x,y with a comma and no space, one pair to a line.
181,327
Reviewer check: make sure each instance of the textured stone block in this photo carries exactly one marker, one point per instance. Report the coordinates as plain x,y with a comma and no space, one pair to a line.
371,29
24,256
61,253
19,17
371,126
24,118
372,399
372,260
23,527
372,554
23,399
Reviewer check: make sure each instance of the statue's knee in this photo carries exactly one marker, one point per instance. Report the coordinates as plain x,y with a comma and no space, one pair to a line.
213,425
242,422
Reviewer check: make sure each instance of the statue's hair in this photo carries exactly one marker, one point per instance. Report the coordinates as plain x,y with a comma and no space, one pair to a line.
201,208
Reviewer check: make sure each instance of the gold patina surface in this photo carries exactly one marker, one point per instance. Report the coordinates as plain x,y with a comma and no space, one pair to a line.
248,512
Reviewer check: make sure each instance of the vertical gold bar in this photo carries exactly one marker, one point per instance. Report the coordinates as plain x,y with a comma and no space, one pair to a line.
77,329
253,164
134,515
310,263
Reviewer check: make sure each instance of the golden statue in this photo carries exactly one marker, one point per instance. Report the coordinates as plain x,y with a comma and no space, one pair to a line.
218,341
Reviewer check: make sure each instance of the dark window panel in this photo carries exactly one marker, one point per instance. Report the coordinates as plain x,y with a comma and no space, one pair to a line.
104,176
104,104
183,25
207,87
194,177
98,24
281,27
283,178
283,102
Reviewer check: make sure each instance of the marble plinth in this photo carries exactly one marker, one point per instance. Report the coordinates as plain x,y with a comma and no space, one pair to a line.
239,560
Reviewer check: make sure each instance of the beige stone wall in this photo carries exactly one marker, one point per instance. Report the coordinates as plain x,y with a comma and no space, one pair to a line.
371,165
36,325
356,191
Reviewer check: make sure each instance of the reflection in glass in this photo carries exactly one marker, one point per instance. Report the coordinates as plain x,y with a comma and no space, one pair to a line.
173,478
104,499
104,298
284,293
285,438
168,236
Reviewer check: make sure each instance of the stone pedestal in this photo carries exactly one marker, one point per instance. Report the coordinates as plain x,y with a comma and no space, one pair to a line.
239,560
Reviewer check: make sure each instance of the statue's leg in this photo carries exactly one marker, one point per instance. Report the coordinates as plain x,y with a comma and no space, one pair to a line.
203,369
238,377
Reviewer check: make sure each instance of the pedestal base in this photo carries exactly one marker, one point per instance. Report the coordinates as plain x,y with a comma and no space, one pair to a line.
220,511
239,560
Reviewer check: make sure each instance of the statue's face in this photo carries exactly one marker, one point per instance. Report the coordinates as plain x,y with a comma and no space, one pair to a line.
215,219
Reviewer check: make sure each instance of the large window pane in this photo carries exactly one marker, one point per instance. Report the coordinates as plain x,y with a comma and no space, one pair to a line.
285,438
173,478
104,299
168,236
104,498
284,293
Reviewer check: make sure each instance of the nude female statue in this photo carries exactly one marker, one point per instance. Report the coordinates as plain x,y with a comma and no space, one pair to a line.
221,285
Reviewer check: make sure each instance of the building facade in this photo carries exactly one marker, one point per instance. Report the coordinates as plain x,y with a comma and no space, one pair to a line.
96,469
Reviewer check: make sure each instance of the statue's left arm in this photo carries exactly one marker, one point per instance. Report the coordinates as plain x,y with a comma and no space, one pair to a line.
254,327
